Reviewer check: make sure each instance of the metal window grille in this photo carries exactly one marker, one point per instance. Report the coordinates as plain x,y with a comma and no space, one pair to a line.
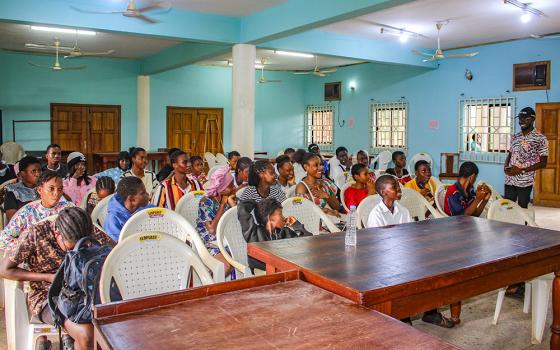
485,128
388,126
319,126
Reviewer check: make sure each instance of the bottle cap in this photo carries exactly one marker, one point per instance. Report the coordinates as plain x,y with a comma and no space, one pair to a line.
352,207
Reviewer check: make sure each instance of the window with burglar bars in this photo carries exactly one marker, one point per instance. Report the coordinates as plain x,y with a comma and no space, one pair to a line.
485,128
388,129
319,126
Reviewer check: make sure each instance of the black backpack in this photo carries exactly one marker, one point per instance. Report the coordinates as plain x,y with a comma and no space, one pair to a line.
74,290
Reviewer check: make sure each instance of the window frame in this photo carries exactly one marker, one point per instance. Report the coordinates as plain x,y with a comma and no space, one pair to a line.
308,128
375,107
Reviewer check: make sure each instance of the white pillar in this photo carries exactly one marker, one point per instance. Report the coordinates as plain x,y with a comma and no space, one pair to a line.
143,112
243,100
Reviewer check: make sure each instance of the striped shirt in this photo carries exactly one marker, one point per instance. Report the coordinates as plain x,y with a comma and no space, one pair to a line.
168,194
251,192
149,179
526,151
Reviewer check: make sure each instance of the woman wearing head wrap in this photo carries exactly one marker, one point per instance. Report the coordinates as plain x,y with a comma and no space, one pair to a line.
220,196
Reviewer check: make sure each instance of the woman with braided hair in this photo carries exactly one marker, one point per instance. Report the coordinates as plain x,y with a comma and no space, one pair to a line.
262,183
104,187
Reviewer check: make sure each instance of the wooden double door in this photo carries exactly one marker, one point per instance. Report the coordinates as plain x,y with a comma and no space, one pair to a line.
195,130
547,182
86,128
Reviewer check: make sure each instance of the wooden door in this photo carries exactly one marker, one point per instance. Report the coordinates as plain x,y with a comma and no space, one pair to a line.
191,128
547,182
69,127
181,128
105,129
210,131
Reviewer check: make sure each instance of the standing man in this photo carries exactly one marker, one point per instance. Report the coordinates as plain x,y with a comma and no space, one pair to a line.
528,152
54,156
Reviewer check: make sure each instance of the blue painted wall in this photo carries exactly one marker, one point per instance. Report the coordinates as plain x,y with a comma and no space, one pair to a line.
26,93
435,94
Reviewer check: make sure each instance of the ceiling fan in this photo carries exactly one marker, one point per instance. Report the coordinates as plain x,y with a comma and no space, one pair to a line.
317,71
262,79
56,65
69,52
132,11
545,36
438,55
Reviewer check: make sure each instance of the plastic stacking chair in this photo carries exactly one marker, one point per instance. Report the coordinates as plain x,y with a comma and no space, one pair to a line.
99,213
417,157
365,207
212,170
221,159
440,198
149,263
11,152
310,215
495,196
383,159
230,235
83,203
537,291
172,223
417,205
342,190
187,206
210,159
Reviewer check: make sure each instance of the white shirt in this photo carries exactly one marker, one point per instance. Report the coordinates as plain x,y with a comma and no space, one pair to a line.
382,216
338,173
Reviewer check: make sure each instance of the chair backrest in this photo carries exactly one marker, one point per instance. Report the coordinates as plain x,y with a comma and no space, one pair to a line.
310,215
440,198
291,191
221,159
342,190
230,235
365,207
341,179
383,159
509,211
210,159
83,203
149,263
187,206
417,205
212,170
417,157
8,182
11,152
99,213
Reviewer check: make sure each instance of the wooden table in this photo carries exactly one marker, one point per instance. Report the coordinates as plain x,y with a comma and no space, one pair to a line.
407,269
108,160
270,312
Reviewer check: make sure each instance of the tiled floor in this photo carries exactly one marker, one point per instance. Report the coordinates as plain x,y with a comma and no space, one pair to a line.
476,331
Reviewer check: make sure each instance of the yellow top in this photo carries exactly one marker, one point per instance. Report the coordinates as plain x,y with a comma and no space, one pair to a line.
431,185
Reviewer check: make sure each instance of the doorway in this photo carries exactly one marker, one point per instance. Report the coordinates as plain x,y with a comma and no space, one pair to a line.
195,130
547,181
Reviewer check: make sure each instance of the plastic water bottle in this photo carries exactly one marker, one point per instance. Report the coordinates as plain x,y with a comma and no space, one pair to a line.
350,239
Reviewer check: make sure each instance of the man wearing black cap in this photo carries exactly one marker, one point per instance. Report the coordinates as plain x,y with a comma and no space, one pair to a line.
528,152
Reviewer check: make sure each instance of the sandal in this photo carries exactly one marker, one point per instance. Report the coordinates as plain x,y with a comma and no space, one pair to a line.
438,320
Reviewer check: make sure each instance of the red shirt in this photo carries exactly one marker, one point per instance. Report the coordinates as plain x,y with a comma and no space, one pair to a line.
353,196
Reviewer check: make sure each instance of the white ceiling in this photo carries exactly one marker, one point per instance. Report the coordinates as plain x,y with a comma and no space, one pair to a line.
15,36
472,22
236,8
275,61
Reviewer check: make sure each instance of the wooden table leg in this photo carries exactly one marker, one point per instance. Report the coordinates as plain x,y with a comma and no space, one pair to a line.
270,269
555,327
456,312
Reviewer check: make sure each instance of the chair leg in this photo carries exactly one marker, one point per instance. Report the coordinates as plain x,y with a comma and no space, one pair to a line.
540,297
527,299
499,301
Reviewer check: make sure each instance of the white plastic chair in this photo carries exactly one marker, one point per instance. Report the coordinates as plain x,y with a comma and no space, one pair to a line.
365,207
83,203
383,159
187,206
11,152
212,170
417,157
172,223
2,213
221,159
440,198
342,179
308,214
149,263
495,196
537,291
210,159
99,213
291,192
417,205
342,190
229,234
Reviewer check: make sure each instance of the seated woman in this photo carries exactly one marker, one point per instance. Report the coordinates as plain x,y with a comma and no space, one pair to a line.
130,198
423,183
174,188
262,183
139,161
41,251
362,187
286,178
270,224
297,159
241,174
317,189
51,202
78,183
399,171
105,186
22,192
197,178
220,196
233,157
167,169
123,164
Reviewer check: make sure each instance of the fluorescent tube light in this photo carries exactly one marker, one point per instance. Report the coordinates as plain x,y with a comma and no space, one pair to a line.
294,54
63,30
525,7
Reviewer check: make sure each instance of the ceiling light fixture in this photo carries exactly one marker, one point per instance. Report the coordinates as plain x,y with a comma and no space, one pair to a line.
403,34
257,65
294,54
63,30
527,10
525,17
403,37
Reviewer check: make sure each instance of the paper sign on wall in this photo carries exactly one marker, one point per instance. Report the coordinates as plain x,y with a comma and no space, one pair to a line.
350,123
433,124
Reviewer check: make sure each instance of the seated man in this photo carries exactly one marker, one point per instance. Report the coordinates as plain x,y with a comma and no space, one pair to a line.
53,156
461,198
423,183
340,166
41,250
130,198
24,191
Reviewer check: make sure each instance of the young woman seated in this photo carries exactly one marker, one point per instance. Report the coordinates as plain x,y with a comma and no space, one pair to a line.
233,157
286,178
51,202
22,192
171,190
399,171
317,189
123,164
139,160
362,187
196,178
40,252
241,174
104,187
78,183
270,224
165,172
262,183
220,196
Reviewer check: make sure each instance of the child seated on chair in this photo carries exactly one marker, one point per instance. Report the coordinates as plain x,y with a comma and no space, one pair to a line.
139,160
363,186
232,158
286,177
197,178
399,171
172,189
461,198
41,250
105,186
131,197
423,183
270,224
262,183
241,174
22,192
